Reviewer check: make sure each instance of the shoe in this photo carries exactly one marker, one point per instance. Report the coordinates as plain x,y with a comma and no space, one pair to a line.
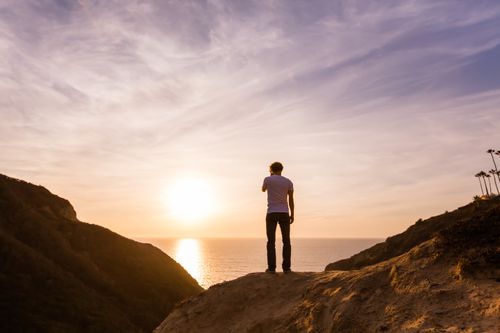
286,271
270,271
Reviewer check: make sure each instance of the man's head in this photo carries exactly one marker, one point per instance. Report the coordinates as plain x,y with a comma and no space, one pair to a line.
276,168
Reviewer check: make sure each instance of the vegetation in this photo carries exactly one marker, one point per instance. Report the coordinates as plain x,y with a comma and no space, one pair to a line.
492,173
62,275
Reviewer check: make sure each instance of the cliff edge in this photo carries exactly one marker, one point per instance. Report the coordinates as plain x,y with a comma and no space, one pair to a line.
448,283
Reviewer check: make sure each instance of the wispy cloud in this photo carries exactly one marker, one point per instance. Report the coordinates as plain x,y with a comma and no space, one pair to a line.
370,104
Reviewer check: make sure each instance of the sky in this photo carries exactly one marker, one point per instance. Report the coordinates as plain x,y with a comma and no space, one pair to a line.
380,111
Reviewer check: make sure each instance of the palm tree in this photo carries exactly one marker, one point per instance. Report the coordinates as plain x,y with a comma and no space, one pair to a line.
489,181
483,174
491,152
494,173
478,176
497,153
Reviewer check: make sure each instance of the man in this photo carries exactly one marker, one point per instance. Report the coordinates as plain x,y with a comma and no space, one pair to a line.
278,189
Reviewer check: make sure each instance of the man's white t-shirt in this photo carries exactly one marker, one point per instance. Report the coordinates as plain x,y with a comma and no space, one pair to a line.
277,190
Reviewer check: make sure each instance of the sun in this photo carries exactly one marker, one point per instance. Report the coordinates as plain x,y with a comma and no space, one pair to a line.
190,199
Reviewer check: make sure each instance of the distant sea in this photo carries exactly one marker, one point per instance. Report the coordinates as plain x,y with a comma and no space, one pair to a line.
214,260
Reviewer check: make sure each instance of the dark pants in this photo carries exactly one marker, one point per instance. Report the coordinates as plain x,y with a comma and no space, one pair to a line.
272,219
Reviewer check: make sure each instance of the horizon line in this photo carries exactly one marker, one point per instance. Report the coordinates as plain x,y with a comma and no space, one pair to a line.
231,237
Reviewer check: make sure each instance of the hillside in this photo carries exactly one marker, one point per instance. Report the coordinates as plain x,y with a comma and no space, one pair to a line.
449,283
62,275
418,233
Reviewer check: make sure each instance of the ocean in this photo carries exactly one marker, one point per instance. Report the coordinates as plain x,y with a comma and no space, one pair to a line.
214,260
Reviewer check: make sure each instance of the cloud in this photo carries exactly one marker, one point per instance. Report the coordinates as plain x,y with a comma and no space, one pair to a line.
359,94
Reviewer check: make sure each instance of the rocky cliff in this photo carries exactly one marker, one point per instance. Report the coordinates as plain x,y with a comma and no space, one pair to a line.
62,275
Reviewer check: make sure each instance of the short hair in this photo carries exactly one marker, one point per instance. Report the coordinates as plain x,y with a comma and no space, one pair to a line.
276,167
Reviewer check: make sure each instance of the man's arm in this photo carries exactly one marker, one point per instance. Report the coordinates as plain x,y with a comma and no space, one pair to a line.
292,206
264,186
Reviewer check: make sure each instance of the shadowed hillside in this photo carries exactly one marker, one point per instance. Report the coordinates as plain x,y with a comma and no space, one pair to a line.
62,275
416,234
449,283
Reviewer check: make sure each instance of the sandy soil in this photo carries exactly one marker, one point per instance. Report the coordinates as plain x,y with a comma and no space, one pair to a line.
415,292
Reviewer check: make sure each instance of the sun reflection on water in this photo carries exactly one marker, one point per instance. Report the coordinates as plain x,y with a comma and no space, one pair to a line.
188,253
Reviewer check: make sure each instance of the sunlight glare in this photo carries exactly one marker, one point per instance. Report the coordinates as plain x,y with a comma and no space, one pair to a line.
188,254
190,199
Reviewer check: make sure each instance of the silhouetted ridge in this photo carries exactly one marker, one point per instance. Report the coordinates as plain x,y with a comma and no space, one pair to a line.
416,234
62,275
37,199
